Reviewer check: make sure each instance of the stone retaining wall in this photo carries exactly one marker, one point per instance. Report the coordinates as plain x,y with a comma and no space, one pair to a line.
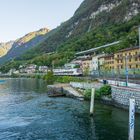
121,96
84,85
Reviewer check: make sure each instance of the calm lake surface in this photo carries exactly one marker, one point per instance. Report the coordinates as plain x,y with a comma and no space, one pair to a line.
26,113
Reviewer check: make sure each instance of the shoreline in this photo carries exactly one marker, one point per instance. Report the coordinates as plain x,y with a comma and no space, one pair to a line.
104,99
69,93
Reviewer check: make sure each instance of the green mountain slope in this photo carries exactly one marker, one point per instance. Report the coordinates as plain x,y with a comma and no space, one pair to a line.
95,23
89,17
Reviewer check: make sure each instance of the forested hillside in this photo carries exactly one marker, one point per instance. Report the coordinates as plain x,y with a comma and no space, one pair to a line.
95,23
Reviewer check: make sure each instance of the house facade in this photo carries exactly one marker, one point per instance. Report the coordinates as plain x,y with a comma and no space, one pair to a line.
129,58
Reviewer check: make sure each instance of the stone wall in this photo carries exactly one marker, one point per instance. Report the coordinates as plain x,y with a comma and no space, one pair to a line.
84,85
121,96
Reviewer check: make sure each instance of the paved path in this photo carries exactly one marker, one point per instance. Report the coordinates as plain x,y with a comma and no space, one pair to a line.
122,83
73,92
70,91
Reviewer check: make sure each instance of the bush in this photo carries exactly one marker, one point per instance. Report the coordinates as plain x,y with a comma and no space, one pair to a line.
103,91
49,78
66,79
38,76
87,94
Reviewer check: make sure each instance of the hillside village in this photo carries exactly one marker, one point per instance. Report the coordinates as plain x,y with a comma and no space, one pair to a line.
93,62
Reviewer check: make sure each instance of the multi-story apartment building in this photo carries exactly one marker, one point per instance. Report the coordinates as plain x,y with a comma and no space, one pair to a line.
107,62
125,59
97,61
84,62
129,58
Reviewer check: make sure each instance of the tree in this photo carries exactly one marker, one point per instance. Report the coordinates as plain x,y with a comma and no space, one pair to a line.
49,77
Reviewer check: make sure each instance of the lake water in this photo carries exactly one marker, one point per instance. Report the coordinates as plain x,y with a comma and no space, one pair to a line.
26,113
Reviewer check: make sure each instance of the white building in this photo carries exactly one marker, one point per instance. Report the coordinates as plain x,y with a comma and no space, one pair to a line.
11,71
72,65
43,69
31,68
94,66
68,72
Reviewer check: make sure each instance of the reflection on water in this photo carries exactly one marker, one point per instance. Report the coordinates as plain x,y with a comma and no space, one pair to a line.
26,113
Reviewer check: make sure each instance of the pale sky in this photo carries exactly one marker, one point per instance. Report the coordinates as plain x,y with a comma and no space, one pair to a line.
19,17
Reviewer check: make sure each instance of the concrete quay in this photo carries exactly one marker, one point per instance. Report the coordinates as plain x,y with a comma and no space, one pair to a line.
64,90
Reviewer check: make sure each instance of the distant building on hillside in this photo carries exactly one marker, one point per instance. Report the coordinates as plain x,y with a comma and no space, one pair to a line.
30,68
11,71
43,69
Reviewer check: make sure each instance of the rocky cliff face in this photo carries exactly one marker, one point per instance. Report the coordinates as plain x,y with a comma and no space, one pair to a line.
94,13
5,47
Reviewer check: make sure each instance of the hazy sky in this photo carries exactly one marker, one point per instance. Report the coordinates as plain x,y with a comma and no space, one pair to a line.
18,17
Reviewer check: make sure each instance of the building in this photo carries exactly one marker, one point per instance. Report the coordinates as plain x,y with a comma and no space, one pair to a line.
30,68
108,63
122,61
11,71
127,59
84,63
72,65
97,60
43,69
67,72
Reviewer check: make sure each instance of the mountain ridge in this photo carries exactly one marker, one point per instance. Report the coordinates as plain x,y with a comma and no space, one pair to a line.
13,49
90,15
94,23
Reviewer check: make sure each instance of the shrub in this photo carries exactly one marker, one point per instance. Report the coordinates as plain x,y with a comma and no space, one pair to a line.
87,94
49,78
67,79
103,91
